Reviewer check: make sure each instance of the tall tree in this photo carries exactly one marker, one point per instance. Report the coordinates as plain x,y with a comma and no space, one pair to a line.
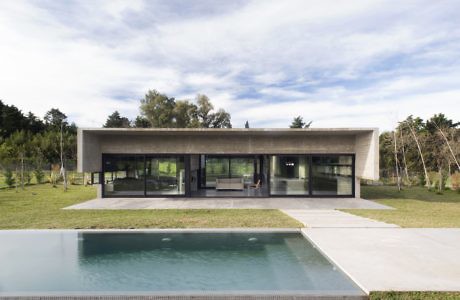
11,120
246,125
54,118
186,114
416,126
158,109
440,125
221,119
116,121
205,107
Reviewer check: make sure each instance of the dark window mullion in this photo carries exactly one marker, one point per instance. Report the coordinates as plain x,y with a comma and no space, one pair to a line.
145,175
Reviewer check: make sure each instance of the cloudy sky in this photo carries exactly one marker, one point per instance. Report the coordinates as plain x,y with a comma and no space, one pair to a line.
338,63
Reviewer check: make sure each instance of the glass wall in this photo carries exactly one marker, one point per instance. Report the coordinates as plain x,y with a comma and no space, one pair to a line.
242,168
141,175
332,175
124,176
215,167
165,175
289,175
227,167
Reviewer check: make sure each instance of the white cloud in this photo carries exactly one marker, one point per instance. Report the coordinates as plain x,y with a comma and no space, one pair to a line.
339,63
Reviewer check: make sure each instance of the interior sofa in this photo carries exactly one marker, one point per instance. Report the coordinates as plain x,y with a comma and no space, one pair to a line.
230,184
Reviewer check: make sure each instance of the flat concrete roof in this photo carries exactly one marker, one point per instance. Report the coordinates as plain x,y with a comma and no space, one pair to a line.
229,131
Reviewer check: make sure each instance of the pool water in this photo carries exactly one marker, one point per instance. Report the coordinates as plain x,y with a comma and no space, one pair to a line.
41,262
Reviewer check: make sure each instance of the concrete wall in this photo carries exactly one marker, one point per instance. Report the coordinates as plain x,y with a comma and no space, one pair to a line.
364,143
367,155
89,155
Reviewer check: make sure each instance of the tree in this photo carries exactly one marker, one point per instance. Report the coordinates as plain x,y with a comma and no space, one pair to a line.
204,111
416,126
186,114
158,109
54,118
299,123
440,124
17,149
116,121
141,122
11,120
221,119
246,125
33,123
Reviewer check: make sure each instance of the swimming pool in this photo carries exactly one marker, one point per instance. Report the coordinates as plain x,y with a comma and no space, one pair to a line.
169,262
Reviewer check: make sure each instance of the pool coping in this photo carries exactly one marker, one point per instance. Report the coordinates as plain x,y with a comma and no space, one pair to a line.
233,295
332,261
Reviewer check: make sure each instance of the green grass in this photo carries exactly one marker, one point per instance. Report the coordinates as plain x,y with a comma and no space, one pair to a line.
414,295
39,207
414,207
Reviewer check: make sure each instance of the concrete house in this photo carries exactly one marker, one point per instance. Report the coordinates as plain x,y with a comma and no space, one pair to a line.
173,162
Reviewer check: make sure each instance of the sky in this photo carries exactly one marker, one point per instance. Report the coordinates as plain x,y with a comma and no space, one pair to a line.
337,63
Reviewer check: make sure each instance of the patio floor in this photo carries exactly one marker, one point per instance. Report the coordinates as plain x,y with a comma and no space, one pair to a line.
228,203
394,259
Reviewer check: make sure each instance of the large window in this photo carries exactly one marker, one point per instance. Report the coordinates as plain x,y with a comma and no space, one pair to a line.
124,176
289,175
143,175
316,175
165,175
332,175
214,167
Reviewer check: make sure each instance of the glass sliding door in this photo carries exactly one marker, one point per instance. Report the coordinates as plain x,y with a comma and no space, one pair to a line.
242,168
165,175
216,167
332,175
124,175
143,175
289,175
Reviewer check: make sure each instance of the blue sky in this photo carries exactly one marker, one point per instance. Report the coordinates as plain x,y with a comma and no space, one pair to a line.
338,63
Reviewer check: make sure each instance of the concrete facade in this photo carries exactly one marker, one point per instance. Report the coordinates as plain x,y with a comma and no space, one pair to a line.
362,142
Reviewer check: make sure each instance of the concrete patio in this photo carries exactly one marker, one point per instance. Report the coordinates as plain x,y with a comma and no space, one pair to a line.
229,203
394,259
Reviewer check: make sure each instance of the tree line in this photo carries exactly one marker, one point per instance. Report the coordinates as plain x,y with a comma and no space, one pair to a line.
29,145
160,111
419,152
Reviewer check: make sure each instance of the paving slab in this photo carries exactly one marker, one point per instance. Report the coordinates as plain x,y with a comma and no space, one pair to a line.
399,259
229,203
333,219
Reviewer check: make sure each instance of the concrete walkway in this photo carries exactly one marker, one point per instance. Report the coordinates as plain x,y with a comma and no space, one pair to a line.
384,259
223,203
333,219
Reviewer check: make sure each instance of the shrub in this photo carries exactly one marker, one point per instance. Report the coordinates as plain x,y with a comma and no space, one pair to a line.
39,175
9,178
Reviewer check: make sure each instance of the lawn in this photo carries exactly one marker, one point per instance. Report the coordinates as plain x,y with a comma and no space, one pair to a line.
414,206
39,207
414,295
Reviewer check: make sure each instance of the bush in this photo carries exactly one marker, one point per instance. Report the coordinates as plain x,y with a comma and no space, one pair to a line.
39,175
9,178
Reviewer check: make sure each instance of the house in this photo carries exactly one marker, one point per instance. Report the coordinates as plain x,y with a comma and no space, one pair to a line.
204,162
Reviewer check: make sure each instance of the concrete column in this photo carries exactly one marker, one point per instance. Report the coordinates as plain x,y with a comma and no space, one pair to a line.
357,187
98,190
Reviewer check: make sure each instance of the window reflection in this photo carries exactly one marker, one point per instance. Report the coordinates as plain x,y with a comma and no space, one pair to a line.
289,175
332,175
